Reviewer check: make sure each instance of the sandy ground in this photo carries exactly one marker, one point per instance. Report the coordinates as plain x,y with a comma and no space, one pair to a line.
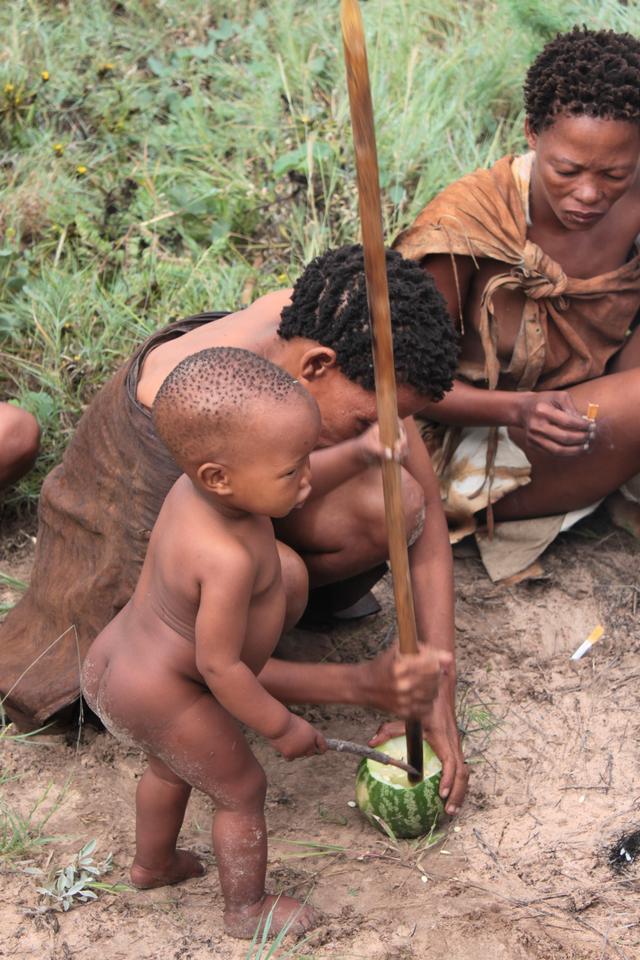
522,873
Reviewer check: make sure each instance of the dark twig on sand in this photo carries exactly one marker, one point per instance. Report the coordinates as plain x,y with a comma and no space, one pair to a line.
359,749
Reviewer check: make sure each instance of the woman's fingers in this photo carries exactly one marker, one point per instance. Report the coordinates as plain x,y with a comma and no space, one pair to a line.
554,425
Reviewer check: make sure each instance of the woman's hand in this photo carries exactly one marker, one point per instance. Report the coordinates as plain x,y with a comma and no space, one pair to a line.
551,422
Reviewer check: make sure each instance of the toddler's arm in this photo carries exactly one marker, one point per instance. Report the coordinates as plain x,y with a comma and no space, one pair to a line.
221,627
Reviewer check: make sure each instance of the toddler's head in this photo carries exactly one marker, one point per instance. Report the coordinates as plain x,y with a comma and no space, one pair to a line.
240,427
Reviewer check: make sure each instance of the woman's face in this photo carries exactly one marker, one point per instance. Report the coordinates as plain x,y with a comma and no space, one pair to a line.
583,166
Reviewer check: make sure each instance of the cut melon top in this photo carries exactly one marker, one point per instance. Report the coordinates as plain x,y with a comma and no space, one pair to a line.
397,748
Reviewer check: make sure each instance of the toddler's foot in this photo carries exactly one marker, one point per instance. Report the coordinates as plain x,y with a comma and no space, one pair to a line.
287,912
183,866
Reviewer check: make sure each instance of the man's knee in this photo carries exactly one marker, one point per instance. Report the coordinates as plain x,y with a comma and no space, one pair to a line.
19,442
413,506
295,578
414,509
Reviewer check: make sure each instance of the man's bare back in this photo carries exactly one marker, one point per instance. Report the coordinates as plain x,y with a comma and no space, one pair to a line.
249,329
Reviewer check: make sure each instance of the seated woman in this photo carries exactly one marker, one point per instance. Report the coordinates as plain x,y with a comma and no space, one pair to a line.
98,506
538,261
19,443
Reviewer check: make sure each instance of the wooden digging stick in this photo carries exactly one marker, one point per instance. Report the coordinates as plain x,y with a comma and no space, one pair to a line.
364,139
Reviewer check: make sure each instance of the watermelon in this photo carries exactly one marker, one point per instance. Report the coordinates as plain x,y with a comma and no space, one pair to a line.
385,794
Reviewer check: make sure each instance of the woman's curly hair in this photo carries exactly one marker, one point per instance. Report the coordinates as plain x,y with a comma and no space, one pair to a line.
584,72
329,305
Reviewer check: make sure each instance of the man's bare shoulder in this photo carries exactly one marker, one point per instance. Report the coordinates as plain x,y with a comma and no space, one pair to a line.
270,303
242,328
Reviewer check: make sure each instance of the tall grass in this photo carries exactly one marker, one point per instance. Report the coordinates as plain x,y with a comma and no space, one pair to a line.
158,159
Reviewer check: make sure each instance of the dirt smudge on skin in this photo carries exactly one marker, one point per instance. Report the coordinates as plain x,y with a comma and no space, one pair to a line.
521,874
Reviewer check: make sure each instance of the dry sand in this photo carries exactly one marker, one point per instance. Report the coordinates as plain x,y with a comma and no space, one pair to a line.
523,871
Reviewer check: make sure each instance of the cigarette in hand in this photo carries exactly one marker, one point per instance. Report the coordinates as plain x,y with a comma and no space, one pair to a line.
592,411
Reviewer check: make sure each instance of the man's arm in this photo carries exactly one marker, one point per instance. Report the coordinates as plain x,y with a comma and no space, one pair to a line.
431,567
403,686
333,466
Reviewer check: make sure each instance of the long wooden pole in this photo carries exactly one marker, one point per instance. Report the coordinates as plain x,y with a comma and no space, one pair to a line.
364,139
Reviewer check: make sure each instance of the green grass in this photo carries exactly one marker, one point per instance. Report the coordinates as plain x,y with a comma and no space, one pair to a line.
160,159
5,606
24,834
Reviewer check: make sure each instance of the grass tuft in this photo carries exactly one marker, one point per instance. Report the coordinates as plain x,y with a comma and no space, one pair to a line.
22,835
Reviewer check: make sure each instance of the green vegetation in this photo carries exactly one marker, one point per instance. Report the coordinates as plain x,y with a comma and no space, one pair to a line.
158,159
76,883
23,834
5,606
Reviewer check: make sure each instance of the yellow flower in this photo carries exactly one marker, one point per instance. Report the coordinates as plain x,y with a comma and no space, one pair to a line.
9,88
17,99
81,170
45,75
281,278
58,149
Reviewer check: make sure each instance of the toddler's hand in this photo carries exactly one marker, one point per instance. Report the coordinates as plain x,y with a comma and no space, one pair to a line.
299,739
371,450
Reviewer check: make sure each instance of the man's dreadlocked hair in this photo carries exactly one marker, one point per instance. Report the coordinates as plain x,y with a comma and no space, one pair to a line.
329,305
585,72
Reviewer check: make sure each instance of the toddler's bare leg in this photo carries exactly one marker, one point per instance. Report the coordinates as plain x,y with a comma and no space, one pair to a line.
240,844
161,801
207,748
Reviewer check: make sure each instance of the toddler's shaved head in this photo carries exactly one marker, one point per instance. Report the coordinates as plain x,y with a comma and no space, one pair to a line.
210,401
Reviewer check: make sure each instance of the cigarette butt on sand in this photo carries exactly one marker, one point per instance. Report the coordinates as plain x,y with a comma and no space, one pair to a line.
593,637
592,411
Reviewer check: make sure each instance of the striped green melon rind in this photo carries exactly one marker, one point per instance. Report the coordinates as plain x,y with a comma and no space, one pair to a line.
384,793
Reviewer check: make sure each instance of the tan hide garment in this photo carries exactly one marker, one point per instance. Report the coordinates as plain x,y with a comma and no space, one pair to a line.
570,328
96,511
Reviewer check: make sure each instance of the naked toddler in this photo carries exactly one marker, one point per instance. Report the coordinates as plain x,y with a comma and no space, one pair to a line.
177,669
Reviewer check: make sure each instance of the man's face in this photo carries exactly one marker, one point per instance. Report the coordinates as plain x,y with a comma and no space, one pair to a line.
347,409
583,166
